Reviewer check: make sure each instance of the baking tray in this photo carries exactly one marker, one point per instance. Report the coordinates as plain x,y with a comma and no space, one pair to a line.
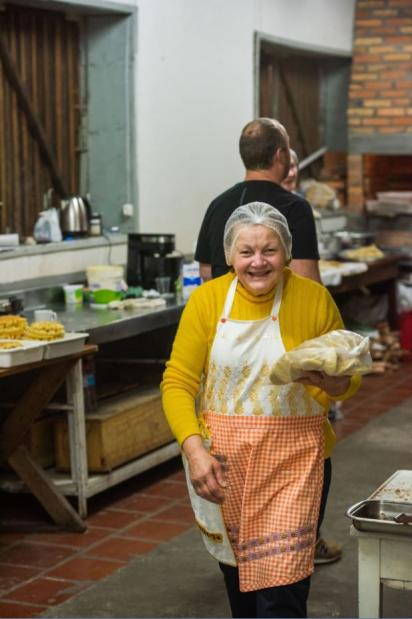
29,352
378,516
398,488
67,345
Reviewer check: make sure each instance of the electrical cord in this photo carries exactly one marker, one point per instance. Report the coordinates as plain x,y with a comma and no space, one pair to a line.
107,237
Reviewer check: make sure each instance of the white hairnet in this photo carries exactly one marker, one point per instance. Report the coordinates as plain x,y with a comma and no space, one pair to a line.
256,213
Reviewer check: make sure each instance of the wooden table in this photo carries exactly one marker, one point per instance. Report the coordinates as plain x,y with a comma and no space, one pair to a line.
384,271
45,378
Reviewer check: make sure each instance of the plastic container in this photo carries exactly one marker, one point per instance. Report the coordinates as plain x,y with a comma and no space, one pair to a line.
104,296
163,285
191,278
28,351
67,345
73,294
405,326
89,384
96,225
105,278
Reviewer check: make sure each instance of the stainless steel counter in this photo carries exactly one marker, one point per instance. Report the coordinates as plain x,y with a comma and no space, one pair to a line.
106,325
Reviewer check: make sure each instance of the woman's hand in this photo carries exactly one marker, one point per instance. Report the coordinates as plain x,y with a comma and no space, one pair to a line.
333,385
207,473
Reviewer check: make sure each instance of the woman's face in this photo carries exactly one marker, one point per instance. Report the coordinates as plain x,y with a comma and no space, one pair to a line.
258,258
291,181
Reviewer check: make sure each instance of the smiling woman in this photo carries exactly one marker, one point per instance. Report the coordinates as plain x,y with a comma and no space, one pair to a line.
254,456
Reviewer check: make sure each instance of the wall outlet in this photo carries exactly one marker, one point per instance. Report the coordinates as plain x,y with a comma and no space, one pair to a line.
127,210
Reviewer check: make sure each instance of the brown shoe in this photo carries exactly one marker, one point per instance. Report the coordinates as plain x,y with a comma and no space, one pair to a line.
327,552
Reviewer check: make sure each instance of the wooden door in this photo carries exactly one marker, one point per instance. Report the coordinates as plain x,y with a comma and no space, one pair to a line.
40,107
290,92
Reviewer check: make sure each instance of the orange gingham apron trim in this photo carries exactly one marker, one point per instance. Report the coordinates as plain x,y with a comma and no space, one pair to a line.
272,501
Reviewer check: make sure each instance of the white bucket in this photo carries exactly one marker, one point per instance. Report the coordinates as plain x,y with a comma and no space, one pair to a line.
105,277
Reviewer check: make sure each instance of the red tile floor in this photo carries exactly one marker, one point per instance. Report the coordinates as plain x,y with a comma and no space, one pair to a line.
39,570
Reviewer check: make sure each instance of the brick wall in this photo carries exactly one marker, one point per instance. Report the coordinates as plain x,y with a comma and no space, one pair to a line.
355,183
380,93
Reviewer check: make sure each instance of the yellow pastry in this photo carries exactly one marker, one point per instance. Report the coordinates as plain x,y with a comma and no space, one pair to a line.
10,344
44,330
12,327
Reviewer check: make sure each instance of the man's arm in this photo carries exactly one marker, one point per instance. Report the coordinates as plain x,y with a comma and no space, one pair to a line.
205,271
306,268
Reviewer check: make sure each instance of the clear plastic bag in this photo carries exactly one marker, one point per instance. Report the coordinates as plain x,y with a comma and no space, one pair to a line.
336,353
47,227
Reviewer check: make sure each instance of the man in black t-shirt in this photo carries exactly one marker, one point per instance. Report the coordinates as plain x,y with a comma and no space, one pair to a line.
264,149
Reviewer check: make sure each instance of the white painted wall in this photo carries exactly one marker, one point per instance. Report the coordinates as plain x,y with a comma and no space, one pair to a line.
195,91
58,259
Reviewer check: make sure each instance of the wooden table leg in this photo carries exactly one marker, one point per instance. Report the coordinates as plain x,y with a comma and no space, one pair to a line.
44,385
39,483
77,435
41,390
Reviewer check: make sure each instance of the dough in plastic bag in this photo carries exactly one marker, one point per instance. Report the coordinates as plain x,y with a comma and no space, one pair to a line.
336,353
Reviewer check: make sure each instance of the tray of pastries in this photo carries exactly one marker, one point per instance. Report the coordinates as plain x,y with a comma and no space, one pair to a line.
367,253
21,342
58,342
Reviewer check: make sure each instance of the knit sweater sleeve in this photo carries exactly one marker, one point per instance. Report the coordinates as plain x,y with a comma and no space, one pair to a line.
184,370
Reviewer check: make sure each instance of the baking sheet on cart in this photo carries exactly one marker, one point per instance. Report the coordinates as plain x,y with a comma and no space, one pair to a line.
398,488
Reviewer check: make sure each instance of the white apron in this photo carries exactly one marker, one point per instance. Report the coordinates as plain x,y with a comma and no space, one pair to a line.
272,438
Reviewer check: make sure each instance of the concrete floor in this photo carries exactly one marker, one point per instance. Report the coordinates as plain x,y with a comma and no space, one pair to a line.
179,579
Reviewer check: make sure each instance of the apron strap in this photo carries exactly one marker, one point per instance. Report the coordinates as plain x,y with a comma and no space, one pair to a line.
229,300
278,299
231,295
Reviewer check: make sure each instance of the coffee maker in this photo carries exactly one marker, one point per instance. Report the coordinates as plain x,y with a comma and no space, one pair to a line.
150,256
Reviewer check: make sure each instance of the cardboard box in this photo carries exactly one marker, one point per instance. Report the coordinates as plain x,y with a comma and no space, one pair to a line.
40,442
123,428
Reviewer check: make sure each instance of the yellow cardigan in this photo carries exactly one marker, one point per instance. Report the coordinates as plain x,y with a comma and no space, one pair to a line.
307,310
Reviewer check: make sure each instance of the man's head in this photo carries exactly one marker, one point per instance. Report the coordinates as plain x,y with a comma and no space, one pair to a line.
263,144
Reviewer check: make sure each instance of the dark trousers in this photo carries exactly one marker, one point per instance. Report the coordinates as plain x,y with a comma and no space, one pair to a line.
283,601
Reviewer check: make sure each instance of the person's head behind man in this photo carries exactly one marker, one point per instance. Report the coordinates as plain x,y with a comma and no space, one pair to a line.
291,181
264,146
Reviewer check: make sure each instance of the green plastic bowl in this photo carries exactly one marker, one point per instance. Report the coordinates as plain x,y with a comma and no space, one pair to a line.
104,296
